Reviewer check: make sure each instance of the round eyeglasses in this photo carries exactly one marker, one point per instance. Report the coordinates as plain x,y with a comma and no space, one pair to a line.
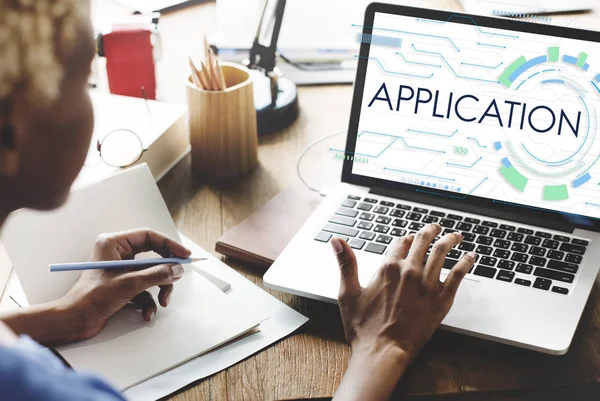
119,148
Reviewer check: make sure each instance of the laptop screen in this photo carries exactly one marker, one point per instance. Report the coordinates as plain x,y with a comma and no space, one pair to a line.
458,110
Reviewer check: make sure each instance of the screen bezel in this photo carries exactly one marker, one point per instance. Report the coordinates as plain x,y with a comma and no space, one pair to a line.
506,210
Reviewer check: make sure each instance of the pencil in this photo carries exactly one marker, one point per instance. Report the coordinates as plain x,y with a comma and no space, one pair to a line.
207,78
213,70
120,264
195,76
220,75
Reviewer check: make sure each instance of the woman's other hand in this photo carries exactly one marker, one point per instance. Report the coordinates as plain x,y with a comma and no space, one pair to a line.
388,322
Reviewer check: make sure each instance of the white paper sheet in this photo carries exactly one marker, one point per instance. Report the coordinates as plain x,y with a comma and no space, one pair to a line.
284,320
129,350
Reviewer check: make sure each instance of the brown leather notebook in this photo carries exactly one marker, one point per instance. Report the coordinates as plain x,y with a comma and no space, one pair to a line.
260,238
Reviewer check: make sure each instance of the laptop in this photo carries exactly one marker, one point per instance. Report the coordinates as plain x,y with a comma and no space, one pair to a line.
486,126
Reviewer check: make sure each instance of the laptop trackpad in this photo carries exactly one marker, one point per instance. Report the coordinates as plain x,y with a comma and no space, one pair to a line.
466,295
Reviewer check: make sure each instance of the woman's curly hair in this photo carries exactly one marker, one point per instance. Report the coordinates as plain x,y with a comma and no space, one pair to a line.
36,36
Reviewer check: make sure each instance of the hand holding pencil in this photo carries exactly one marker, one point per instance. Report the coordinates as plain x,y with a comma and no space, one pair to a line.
210,77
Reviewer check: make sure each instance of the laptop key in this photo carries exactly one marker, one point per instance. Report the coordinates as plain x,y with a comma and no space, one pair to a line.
537,251
481,230
384,239
506,264
554,275
543,234
397,213
380,228
356,243
420,210
323,236
349,203
462,226
367,216
556,255
448,231
519,248
447,223
498,233
367,235
526,231
576,249
371,200
455,217
386,203
580,242
563,266
524,268
502,244
537,261
345,221
531,240
482,239
398,232
403,207
489,224
342,211
399,223
561,238
437,214
521,281
364,225
571,258
383,220
353,197
515,237
550,244
381,210
454,254
501,253
337,229
416,226
485,271
342,237
507,227
414,216
466,246
430,219
505,275
375,248
472,220
560,290
488,261
484,250
542,283
519,257
365,206
468,237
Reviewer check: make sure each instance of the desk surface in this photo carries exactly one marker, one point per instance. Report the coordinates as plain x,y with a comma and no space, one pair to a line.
309,364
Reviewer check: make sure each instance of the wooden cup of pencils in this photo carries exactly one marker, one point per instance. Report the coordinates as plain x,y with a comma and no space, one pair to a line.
222,120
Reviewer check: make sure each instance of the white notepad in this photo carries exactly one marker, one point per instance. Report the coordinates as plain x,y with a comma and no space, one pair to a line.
129,350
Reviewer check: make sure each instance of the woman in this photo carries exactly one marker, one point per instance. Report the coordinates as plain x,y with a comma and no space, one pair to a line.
46,125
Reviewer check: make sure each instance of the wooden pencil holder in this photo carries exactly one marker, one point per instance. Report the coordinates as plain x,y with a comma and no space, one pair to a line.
222,124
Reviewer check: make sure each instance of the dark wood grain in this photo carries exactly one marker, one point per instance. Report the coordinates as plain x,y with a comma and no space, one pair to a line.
310,363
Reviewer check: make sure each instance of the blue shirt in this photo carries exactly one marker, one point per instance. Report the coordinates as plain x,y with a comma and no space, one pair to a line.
30,372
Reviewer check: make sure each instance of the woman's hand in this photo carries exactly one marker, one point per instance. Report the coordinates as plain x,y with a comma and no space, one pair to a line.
99,294
388,322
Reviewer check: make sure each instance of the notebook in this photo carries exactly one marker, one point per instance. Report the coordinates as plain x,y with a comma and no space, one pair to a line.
129,350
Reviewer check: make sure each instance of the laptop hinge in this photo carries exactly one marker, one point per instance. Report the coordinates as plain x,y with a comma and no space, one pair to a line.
522,218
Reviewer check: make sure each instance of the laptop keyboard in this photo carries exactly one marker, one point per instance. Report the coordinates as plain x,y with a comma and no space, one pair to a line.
506,252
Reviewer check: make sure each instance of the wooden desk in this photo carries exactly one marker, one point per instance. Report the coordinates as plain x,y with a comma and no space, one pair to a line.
309,364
